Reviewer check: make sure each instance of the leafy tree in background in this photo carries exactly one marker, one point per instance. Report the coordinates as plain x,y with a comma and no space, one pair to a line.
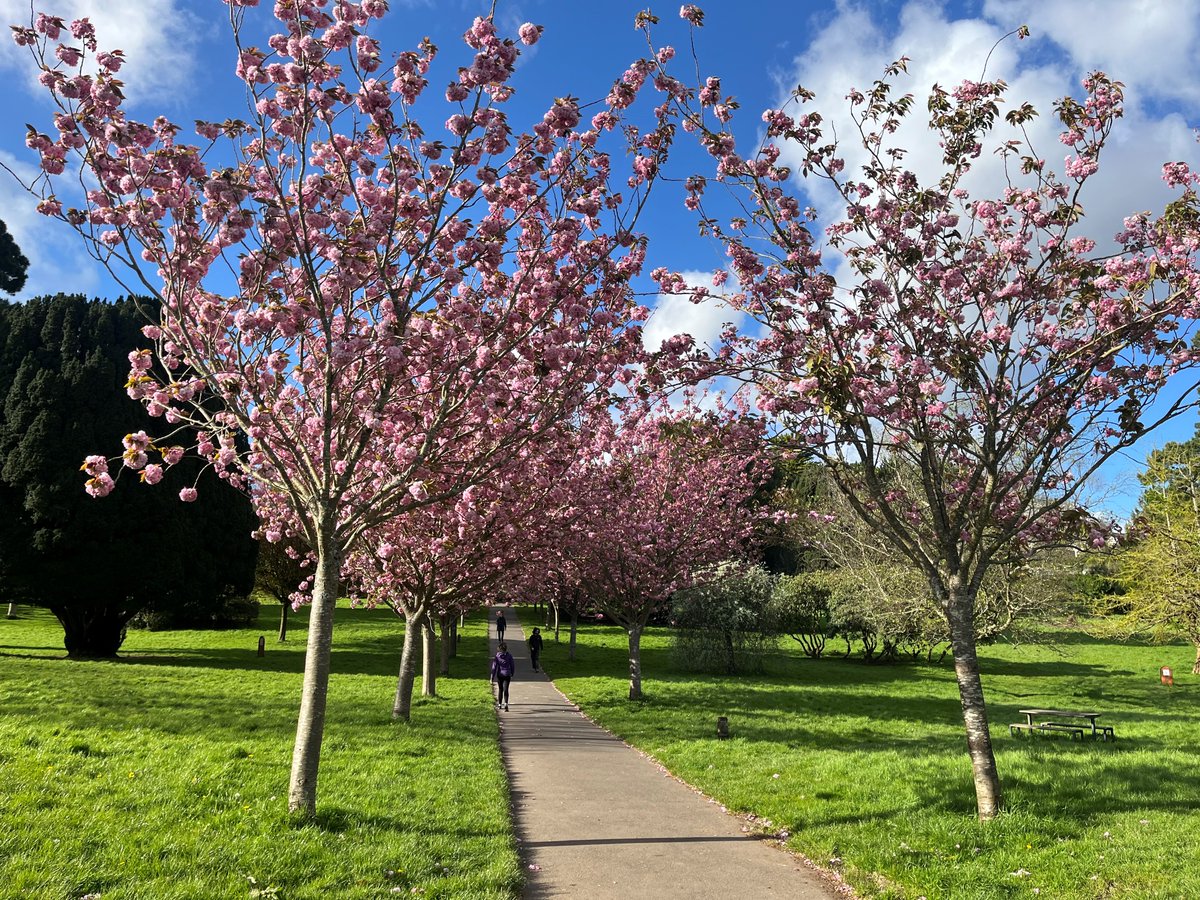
1161,570
13,264
63,363
723,624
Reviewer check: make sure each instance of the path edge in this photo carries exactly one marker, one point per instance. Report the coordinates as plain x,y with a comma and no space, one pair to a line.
751,821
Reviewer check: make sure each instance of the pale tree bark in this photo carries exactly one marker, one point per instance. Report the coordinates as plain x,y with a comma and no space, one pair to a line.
635,662
12,611
1196,664
429,658
445,625
960,617
554,603
310,727
402,707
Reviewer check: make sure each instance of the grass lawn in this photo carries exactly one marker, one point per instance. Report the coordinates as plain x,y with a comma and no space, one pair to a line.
164,775
866,764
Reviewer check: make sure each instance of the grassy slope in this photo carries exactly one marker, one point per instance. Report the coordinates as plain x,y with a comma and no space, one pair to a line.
165,775
868,764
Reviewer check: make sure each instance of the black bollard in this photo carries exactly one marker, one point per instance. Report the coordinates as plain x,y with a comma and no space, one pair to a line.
262,646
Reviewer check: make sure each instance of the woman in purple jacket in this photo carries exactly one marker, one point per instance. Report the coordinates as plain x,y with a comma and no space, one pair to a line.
503,668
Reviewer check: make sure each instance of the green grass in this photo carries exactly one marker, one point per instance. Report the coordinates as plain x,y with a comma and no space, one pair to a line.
164,775
867,765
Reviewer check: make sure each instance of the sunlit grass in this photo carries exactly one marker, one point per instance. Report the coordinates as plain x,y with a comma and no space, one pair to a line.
164,775
866,765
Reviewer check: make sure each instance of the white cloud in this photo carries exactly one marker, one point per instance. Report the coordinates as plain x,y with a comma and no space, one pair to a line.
852,50
1148,44
678,315
160,39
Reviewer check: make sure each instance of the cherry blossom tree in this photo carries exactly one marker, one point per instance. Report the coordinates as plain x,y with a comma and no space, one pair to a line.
456,555
988,343
659,496
363,293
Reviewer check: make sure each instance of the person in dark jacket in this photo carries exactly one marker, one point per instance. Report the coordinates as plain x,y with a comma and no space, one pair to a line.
535,647
503,667
500,625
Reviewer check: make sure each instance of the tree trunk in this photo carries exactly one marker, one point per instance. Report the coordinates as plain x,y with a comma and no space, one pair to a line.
454,636
960,617
402,707
1196,664
556,620
12,611
635,662
574,630
283,613
429,658
92,632
310,726
444,623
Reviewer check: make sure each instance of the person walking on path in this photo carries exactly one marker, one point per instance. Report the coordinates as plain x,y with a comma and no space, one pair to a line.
500,625
503,668
535,647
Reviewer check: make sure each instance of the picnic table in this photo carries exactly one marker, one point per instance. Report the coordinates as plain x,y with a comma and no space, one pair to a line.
1050,721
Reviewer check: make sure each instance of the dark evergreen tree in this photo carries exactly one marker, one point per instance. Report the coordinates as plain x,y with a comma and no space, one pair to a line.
96,563
13,263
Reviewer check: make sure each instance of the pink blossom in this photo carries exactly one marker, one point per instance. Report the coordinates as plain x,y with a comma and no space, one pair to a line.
530,33
188,494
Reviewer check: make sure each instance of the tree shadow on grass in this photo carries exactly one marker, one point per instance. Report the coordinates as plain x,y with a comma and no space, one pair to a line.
336,819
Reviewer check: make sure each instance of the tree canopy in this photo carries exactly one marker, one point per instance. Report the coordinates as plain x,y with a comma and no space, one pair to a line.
95,565
13,264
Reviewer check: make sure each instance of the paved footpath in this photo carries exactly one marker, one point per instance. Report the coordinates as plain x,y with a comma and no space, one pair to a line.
598,820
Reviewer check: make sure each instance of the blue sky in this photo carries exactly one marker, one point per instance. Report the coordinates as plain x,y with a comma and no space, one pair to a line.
180,62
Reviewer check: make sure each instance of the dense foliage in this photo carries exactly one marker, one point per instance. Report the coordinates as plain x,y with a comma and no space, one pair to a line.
63,361
723,624
13,264
1160,571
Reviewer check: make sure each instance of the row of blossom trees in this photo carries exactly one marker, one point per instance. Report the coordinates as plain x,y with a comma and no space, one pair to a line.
395,318
395,314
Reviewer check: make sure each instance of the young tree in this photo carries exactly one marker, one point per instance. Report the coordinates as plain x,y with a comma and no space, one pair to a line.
1161,569
362,292
62,373
986,342
659,498
283,571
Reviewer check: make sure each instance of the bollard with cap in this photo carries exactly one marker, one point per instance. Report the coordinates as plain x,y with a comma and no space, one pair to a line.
262,646
722,727
1167,676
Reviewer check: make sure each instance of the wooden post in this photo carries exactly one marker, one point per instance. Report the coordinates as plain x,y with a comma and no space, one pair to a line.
262,646
1167,675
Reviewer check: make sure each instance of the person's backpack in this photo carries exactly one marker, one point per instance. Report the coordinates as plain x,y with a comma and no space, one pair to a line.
504,665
